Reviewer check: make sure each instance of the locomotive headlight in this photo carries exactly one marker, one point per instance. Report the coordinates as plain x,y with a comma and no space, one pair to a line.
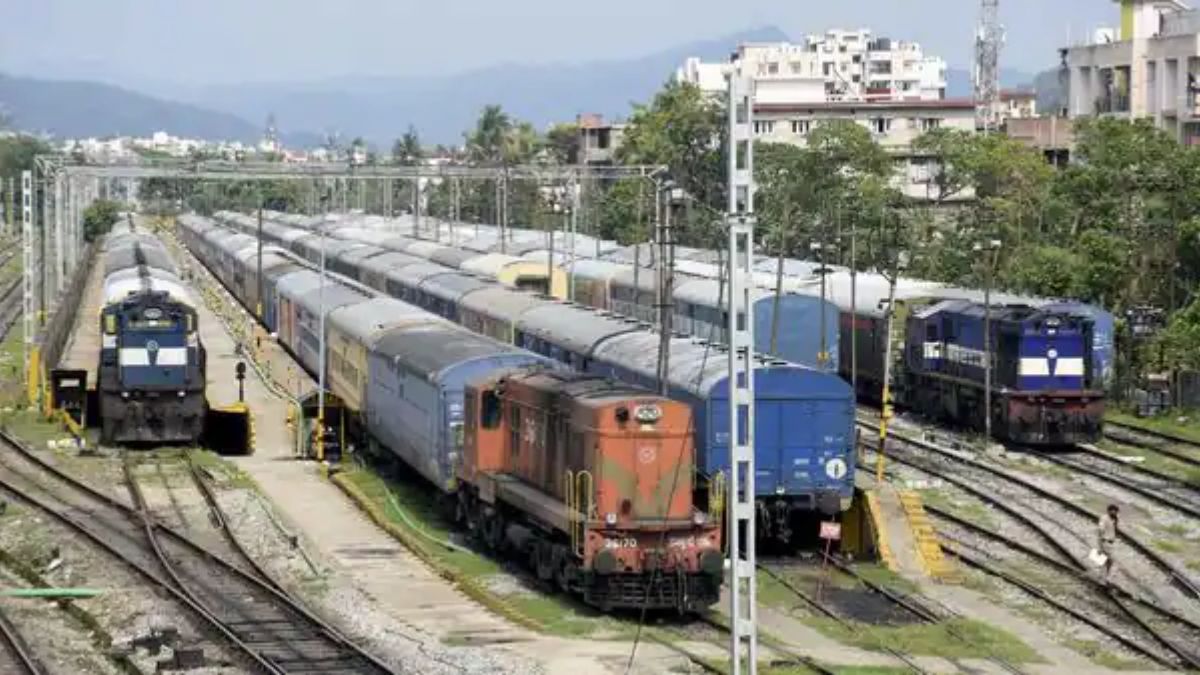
182,394
699,518
610,519
647,414
124,394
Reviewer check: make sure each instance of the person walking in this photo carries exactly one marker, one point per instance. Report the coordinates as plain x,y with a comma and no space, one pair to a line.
1106,537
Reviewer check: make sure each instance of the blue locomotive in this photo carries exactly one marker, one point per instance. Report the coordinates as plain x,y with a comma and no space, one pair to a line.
151,380
1045,389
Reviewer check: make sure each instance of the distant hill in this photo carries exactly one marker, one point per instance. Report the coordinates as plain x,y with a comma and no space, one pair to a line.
71,108
960,81
442,108
75,108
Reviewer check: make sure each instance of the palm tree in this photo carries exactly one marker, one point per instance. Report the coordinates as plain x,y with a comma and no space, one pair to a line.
487,142
406,151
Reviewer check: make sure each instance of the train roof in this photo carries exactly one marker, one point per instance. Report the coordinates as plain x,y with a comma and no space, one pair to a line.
702,369
362,320
413,275
500,301
119,286
433,348
452,285
133,256
584,388
453,257
390,261
597,270
575,327
333,296
490,264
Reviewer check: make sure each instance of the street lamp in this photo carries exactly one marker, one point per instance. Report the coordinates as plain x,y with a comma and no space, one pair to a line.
991,246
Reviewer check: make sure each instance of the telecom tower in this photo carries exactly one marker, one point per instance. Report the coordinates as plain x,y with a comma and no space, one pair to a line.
271,135
989,38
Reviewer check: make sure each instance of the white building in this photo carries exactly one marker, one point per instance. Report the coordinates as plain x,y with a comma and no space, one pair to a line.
1149,67
837,66
893,124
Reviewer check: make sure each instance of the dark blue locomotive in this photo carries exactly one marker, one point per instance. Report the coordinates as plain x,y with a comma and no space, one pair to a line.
1044,388
151,380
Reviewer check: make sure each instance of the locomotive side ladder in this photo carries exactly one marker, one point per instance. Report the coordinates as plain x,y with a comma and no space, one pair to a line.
743,612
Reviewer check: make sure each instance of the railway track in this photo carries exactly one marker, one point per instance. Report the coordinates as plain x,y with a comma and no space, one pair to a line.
10,307
772,569
1055,536
1157,626
1180,449
918,609
14,644
1154,486
268,629
1062,520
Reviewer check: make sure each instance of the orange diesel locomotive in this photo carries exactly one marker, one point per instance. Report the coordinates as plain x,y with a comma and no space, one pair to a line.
592,481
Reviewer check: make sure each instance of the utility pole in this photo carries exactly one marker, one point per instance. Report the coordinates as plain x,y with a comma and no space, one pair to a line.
743,601
990,252
885,414
320,439
27,273
854,307
500,219
574,225
259,307
665,282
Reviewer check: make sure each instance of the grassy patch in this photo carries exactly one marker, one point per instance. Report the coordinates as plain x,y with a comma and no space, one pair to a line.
1155,461
222,470
1166,423
971,509
1097,654
31,427
420,525
1168,546
952,639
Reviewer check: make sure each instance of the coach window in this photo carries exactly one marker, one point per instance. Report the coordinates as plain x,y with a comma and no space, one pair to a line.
489,416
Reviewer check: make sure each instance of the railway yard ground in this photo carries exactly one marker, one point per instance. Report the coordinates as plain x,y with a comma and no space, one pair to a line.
368,552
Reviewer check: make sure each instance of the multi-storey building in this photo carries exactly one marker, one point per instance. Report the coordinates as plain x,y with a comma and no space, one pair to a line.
836,66
890,87
893,124
1148,67
598,139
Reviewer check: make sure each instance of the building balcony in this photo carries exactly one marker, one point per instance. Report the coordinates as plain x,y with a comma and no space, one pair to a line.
1113,104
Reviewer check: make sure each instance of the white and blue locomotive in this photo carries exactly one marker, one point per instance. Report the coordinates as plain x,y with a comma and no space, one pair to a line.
1045,390
151,380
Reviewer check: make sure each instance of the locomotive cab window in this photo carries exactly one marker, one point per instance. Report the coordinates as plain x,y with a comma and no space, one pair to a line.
489,413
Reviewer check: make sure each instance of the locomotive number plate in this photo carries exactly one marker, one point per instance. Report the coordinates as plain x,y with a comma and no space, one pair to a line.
620,543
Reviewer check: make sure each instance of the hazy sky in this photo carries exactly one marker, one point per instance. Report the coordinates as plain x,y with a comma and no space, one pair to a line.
212,41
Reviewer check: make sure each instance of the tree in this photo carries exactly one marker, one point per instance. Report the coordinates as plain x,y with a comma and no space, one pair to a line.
684,130
562,143
406,151
1045,270
623,211
486,144
818,192
17,153
99,218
